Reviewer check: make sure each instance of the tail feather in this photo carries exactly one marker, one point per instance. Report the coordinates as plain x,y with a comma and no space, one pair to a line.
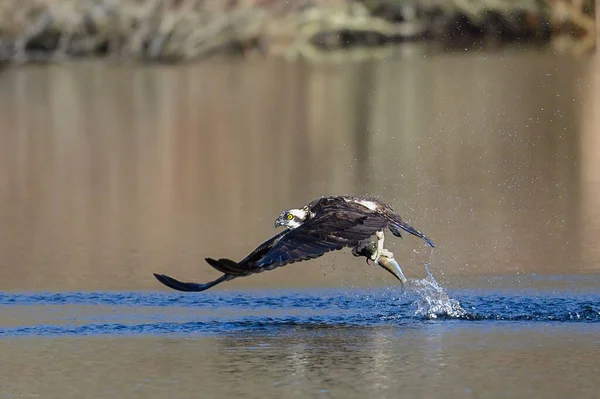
397,225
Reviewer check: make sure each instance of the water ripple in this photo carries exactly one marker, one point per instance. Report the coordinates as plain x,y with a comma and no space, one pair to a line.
134,313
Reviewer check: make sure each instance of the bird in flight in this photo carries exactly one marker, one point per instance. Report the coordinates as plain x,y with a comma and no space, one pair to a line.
325,224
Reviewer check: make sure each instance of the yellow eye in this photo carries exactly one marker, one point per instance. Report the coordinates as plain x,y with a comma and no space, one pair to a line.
290,216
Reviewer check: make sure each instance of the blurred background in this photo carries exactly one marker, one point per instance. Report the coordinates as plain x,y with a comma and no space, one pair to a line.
142,136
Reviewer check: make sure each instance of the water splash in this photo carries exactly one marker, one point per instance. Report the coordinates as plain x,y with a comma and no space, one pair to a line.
434,302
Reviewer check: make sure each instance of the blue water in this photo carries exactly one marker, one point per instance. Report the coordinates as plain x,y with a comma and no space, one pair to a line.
217,312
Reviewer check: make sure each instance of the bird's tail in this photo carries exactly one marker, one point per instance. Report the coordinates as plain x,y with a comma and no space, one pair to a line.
397,225
227,266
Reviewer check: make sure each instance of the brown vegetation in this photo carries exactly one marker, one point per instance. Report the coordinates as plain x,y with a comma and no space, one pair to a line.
175,30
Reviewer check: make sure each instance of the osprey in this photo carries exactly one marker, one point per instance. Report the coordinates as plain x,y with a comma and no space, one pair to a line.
326,224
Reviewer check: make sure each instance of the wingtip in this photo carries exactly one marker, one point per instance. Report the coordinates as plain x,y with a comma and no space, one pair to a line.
212,262
188,286
163,279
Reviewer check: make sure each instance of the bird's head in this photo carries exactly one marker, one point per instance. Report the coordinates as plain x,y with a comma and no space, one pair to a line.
292,218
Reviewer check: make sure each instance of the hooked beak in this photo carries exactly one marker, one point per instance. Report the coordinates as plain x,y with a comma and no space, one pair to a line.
278,222
393,267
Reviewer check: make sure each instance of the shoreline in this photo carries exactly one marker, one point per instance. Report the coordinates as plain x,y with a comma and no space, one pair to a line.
185,30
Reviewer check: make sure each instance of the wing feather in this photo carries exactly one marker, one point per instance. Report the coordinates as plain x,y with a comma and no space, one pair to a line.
189,286
397,224
338,223
322,234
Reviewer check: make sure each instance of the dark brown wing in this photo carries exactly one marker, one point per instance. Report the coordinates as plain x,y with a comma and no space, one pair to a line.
263,248
329,231
189,287
230,268
397,224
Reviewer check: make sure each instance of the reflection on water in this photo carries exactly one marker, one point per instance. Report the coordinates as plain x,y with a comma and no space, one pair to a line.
420,361
328,343
590,169
109,173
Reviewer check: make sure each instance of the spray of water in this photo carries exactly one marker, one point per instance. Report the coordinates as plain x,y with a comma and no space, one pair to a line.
433,300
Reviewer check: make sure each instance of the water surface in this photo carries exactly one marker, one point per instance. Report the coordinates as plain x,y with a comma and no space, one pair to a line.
111,172
542,342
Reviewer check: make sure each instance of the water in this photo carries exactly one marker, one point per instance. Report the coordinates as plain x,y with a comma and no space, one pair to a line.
307,343
434,300
133,313
109,173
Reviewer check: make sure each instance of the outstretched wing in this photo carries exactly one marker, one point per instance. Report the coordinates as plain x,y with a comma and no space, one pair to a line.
323,233
230,269
188,287
263,248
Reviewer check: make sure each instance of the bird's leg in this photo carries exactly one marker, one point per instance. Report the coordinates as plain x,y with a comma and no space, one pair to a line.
380,238
372,250
385,259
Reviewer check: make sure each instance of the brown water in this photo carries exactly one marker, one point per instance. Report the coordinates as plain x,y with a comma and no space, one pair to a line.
110,172
425,362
